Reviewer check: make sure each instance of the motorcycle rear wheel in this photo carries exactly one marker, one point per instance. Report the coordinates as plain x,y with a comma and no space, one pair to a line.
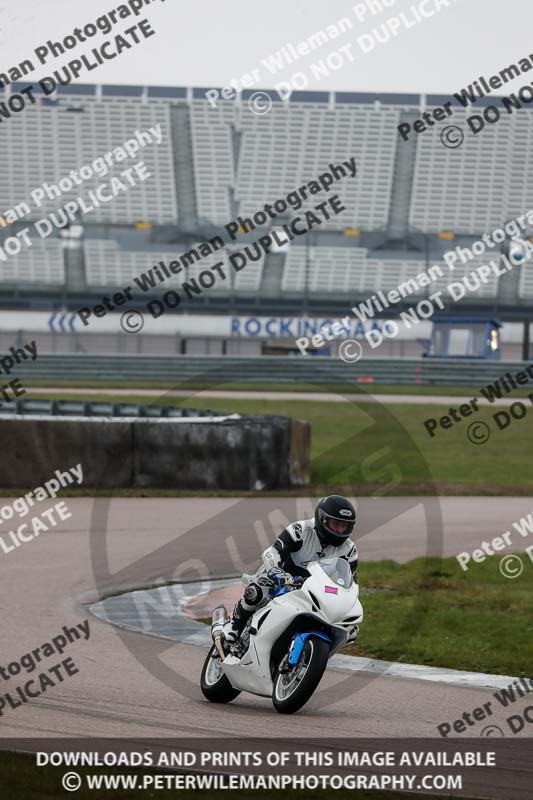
293,689
214,684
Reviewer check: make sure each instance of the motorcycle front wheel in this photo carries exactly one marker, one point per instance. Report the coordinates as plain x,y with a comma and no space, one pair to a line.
214,684
293,689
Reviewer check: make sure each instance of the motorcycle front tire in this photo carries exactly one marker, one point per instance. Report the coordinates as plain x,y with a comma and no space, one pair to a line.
310,668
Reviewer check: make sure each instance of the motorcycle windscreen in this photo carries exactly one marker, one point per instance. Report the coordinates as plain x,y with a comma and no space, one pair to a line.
338,571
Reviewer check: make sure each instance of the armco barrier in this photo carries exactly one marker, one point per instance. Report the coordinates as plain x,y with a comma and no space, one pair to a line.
87,408
201,452
179,370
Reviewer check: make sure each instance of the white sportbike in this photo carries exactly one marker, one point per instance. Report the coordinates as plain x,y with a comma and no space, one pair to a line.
285,646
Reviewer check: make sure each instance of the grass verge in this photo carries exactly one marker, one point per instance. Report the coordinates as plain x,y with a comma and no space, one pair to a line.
476,620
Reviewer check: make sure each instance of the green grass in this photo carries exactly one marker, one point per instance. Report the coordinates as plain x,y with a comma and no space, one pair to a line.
325,388
369,448
21,779
430,611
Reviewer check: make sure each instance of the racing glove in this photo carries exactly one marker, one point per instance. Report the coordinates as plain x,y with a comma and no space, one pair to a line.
278,577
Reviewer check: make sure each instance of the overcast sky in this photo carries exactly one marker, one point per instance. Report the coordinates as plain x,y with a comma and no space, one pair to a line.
209,42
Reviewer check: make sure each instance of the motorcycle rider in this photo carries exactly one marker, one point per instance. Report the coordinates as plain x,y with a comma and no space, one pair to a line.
325,535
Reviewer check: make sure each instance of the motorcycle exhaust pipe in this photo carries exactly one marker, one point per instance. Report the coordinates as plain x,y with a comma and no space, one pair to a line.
219,619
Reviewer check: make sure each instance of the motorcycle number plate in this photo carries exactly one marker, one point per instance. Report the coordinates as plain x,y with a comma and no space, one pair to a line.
331,590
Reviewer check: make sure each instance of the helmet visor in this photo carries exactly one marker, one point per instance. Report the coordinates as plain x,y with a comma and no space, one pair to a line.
338,526
338,529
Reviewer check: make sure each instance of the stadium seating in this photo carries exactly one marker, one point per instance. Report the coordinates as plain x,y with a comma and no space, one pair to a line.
296,142
478,186
337,270
333,270
42,263
449,182
518,166
107,264
45,144
214,166
526,281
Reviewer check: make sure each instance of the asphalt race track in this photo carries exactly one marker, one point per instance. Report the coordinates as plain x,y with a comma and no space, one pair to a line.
48,583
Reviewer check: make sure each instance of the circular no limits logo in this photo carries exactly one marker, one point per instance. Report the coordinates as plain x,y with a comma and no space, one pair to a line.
198,560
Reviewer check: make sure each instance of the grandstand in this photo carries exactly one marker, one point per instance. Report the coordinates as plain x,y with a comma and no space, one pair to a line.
410,201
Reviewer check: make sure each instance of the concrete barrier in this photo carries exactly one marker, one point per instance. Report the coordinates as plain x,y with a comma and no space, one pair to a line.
36,447
300,453
196,455
233,452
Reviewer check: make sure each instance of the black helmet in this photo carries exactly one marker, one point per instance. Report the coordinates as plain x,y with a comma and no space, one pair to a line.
334,509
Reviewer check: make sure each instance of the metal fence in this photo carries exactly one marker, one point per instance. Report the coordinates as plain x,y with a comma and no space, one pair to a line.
177,370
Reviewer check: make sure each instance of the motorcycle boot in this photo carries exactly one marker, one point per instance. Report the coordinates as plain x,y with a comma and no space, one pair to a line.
234,627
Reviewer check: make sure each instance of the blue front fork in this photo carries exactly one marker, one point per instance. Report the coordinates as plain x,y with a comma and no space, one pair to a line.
298,645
